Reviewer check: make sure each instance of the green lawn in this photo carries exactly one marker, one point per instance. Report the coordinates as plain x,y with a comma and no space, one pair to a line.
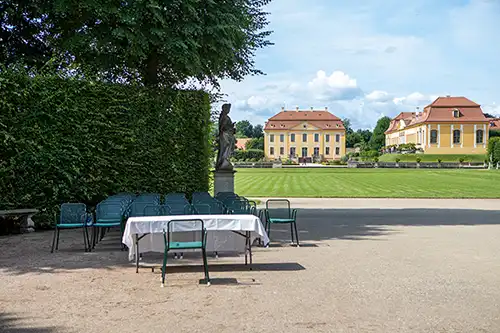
431,158
363,183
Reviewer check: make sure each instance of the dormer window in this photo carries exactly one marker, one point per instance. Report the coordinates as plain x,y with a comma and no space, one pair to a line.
337,125
456,113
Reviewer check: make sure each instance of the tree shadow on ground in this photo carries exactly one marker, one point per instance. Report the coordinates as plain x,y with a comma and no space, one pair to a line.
10,323
30,253
316,225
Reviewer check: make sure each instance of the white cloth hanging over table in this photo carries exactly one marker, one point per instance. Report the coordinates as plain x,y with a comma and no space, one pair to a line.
220,231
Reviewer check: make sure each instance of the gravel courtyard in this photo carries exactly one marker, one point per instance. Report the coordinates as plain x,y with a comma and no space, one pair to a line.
358,270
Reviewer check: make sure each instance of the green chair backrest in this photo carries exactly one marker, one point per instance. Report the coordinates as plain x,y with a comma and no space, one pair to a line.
153,210
137,208
73,213
178,209
196,226
279,208
109,211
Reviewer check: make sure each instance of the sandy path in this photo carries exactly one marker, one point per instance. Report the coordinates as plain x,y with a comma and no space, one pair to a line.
349,276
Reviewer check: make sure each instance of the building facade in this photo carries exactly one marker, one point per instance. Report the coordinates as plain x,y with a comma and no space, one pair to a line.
449,125
304,136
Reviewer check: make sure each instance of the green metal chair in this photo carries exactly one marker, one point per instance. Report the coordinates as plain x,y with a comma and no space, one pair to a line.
72,216
171,244
108,215
278,211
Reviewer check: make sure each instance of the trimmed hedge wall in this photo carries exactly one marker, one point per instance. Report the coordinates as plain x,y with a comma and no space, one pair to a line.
242,155
70,140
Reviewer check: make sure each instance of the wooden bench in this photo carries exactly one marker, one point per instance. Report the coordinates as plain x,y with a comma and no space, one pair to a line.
27,224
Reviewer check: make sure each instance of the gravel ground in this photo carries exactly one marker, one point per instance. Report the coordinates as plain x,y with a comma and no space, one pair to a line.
359,270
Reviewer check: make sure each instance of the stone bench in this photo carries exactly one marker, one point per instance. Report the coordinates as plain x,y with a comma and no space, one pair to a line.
27,224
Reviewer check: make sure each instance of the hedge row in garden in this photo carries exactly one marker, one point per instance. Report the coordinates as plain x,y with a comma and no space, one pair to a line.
250,154
70,140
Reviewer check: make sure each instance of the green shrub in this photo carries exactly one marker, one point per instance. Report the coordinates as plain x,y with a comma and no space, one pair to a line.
397,159
461,159
71,140
249,154
496,152
439,160
492,144
369,155
418,159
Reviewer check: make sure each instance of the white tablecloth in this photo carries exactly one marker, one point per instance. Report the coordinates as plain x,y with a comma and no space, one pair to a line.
220,236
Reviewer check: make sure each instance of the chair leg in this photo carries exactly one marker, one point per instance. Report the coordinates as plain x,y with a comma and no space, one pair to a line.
291,231
164,269
84,237
296,233
95,230
57,239
89,248
54,240
205,266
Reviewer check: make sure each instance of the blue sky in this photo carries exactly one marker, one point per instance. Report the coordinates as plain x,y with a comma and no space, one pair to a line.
368,58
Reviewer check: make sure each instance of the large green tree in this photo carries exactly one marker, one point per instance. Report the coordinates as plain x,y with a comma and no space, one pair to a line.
156,41
255,143
244,129
258,131
377,140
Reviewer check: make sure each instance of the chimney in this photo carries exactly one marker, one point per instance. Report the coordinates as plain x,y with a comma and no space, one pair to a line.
282,108
448,96
326,108
312,108
297,108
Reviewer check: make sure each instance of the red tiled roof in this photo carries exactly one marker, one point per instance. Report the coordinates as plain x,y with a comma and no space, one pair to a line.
442,110
241,143
450,102
286,120
494,124
304,115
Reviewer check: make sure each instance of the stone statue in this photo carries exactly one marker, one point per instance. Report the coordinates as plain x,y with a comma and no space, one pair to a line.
226,140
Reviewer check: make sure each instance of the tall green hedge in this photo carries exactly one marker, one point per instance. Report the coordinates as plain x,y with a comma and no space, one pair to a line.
494,149
70,140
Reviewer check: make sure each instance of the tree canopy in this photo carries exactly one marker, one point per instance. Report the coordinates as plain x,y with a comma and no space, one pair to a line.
244,129
155,41
377,140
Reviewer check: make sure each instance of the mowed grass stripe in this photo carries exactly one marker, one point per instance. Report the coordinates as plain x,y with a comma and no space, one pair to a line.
377,183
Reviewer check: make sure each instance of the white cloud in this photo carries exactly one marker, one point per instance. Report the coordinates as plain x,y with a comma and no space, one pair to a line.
337,86
493,109
257,102
339,91
401,56
415,99
379,96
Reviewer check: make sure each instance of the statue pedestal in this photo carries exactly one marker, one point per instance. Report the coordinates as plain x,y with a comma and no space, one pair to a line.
223,181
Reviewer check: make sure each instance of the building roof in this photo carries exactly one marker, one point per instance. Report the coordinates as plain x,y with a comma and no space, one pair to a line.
494,124
450,101
241,143
286,120
441,110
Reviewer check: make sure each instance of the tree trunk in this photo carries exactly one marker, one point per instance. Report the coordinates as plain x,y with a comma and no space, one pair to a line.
151,70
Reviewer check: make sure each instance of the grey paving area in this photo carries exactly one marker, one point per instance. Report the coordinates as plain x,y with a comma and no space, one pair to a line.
359,269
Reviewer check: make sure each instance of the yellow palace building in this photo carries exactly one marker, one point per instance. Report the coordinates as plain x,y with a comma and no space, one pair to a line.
449,125
304,135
